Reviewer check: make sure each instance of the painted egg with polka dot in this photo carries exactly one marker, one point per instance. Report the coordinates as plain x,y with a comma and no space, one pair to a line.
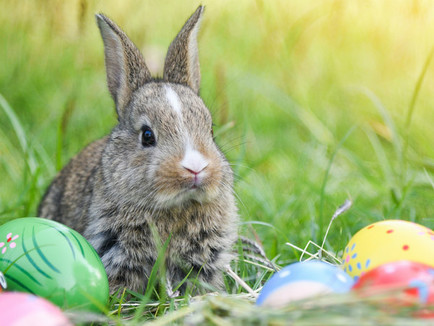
401,283
388,241
50,260
414,280
303,280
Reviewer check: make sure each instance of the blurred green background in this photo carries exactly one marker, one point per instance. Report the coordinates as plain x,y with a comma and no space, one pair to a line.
314,102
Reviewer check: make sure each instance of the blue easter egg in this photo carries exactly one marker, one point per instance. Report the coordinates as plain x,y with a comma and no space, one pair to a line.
303,280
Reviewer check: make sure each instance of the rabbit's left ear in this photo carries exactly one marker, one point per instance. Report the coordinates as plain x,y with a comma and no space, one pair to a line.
125,66
182,60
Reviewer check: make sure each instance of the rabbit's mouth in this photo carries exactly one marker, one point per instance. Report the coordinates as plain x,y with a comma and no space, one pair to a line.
196,187
194,193
181,182
197,181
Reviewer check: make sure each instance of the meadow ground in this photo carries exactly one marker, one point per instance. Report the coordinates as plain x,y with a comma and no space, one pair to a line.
314,102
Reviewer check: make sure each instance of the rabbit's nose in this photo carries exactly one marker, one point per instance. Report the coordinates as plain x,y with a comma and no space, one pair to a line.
193,172
194,162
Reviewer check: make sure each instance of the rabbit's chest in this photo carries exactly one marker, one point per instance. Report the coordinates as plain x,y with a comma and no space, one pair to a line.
195,242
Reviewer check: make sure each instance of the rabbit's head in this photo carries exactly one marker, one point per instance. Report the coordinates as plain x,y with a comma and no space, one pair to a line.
162,152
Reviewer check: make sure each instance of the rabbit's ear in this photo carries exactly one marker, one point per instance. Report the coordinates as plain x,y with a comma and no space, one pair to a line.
125,66
182,60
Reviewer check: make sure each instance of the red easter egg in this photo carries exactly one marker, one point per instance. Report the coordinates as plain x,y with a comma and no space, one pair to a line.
408,283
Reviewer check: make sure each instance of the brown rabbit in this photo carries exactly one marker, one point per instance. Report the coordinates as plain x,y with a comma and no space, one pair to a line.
159,169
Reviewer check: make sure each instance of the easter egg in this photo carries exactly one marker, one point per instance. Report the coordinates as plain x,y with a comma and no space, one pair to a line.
385,242
48,259
401,283
303,280
27,309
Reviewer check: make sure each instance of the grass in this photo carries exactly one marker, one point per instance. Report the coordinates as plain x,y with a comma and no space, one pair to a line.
314,101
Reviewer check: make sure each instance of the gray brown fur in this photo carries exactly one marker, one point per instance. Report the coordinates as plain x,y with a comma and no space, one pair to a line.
116,190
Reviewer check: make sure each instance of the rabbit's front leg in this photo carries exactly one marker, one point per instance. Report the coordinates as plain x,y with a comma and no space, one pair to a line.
127,254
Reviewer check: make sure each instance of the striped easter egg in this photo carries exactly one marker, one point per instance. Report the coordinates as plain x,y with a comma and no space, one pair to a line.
46,258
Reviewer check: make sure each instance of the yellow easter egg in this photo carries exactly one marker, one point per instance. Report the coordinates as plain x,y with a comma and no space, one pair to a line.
385,242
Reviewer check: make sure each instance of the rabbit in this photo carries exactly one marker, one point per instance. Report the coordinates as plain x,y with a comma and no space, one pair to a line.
157,177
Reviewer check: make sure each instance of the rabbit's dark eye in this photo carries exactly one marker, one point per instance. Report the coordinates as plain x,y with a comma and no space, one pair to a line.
147,136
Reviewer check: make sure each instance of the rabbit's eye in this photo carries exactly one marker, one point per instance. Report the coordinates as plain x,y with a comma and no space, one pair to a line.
147,136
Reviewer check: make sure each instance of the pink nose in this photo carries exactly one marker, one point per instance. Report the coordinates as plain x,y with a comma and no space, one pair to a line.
194,162
196,171
196,176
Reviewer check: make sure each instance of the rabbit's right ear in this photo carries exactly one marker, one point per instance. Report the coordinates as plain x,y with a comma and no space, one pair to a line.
182,61
125,66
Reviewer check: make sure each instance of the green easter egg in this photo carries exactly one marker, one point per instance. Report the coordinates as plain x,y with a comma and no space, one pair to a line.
51,260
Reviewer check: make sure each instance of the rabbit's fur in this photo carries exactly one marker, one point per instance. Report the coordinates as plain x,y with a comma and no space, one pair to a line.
123,192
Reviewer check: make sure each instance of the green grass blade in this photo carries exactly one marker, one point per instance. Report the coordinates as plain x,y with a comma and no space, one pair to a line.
417,88
325,179
19,132
288,105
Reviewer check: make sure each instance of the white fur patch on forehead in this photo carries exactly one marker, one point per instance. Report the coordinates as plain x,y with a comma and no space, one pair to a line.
173,99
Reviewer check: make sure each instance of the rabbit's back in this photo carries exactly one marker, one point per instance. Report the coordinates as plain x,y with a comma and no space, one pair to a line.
68,197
